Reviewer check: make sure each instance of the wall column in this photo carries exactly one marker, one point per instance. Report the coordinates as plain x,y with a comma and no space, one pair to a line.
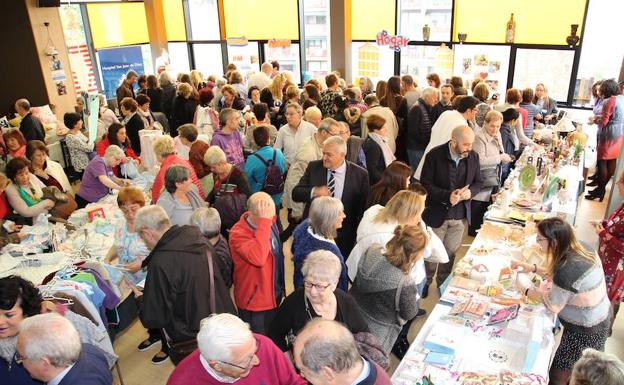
155,15
340,36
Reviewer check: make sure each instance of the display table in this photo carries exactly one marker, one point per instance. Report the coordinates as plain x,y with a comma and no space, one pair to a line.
482,331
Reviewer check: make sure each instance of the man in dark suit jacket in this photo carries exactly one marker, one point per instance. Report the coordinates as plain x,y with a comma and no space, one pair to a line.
337,177
49,347
451,176
30,126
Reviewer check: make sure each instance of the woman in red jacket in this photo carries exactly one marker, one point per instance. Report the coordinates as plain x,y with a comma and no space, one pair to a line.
117,136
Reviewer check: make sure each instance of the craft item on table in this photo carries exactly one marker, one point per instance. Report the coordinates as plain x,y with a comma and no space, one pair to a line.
551,189
525,202
490,290
519,215
507,300
472,308
95,213
527,176
438,359
454,295
465,283
495,333
477,378
445,337
503,315
512,378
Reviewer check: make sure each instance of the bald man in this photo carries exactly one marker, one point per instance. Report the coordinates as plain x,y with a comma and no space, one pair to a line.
451,176
258,259
325,353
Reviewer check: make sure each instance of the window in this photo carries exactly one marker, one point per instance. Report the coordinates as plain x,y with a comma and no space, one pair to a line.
598,63
369,17
179,59
288,58
245,57
79,56
204,15
174,20
117,24
316,31
261,20
369,59
208,59
414,14
114,63
419,61
488,62
551,67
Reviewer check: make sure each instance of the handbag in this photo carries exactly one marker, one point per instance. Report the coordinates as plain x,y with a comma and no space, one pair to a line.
180,350
490,177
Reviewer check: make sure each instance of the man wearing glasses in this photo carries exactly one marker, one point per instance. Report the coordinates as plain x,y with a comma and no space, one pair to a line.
229,352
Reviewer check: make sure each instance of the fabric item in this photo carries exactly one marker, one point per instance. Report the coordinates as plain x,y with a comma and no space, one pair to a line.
482,110
90,369
572,345
391,122
32,128
418,126
91,189
336,180
611,252
377,155
79,147
296,310
124,90
258,321
489,148
411,97
155,95
57,174
182,112
375,289
180,213
304,242
274,369
519,137
7,348
15,196
530,118
450,233
355,153
207,121
129,247
289,140
13,373
250,145
90,334
177,289
256,169
327,101
611,136
168,94
232,145
159,181
103,144
309,150
222,252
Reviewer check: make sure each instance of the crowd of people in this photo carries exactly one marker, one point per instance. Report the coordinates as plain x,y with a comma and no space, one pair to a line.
377,185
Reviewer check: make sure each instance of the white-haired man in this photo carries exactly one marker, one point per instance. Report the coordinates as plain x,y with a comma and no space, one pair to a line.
177,294
335,176
30,126
229,352
263,78
325,352
49,347
419,122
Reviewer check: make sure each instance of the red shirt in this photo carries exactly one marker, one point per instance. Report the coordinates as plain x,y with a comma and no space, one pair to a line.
159,181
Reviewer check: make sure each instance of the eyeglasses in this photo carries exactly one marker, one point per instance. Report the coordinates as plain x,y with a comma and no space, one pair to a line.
19,358
317,286
129,208
246,365
541,239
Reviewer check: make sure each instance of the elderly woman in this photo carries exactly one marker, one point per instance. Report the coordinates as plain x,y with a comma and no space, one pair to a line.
488,144
227,177
384,287
317,298
183,108
230,99
319,232
208,221
168,92
180,197
117,136
15,143
378,153
597,368
164,149
98,178
578,294
77,143
366,85
19,299
48,171
24,194
395,177
206,118
133,122
546,105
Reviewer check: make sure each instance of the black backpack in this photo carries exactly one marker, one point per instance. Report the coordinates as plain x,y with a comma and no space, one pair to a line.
273,178
230,204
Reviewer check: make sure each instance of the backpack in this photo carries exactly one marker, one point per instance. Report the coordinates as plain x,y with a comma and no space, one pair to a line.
230,205
273,178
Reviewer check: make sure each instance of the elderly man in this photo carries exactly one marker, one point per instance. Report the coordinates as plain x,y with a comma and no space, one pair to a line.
256,251
313,115
374,108
292,134
418,124
451,176
49,347
230,353
30,126
125,89
262,78
181,278
336,177
325,353
444,126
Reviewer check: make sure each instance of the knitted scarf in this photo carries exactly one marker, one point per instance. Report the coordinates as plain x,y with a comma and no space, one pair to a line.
7,348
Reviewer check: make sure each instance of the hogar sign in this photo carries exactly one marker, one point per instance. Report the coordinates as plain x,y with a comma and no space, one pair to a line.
394,42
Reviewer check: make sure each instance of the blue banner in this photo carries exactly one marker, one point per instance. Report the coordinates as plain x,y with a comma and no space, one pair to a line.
115,63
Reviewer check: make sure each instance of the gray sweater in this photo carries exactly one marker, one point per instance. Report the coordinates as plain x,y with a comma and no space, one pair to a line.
375,289
180,214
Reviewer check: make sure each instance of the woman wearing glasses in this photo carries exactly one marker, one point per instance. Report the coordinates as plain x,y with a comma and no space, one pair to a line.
318,297
578,294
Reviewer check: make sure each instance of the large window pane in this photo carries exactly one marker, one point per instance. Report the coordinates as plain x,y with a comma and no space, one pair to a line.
288,58
551,67
208,59
178,57
204,16
419,61
117,24
317,46
488,62
414,14
261,20
245,57
369,17
174,20
79,57
598,63
369,59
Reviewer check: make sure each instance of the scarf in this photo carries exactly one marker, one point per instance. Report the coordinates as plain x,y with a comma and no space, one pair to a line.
31,198
385,149
7,348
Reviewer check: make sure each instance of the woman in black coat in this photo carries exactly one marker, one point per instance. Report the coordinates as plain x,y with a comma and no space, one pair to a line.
168,93
183,109
375,147
155,94
133,123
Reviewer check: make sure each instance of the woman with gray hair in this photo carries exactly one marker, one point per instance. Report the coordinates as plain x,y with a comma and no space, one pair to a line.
597,368
318,298
98,178
318,232
208,221
180,197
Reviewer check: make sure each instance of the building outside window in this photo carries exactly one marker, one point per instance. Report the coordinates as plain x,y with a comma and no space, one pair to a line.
316,31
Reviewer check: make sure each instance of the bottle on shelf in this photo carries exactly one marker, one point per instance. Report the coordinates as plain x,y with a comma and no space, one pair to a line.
510,32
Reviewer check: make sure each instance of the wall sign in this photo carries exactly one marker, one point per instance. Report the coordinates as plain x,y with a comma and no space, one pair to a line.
237,41
394,42
279,43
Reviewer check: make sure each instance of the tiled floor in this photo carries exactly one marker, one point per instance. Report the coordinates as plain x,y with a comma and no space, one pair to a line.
137,368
